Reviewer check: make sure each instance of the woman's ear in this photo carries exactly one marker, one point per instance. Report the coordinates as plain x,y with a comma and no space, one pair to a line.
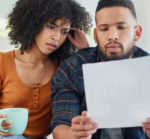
138,32
95,36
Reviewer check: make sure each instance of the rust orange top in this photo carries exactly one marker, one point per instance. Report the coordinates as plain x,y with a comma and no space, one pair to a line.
13,93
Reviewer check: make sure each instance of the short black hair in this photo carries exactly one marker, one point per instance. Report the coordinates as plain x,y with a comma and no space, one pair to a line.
113,3
28,18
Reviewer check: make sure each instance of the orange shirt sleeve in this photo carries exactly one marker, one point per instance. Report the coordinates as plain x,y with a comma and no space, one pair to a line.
0,72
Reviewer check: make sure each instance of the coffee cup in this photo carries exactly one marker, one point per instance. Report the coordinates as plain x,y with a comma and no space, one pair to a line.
18,117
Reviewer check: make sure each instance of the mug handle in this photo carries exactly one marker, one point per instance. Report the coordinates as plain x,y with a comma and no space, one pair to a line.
1,129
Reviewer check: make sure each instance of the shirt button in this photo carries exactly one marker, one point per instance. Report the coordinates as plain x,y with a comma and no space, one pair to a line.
35,95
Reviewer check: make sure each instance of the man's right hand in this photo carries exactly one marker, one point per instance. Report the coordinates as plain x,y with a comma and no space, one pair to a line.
83,127
5,125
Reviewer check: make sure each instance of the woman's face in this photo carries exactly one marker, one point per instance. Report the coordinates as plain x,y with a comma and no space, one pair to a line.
52,36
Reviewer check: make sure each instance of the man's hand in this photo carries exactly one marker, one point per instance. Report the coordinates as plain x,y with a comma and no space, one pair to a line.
146,127
5,125
83,127
79,40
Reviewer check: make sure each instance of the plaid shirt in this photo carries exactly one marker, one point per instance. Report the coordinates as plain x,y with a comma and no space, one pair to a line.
68,96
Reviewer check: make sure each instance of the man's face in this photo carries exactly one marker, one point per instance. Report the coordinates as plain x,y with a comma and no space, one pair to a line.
116,32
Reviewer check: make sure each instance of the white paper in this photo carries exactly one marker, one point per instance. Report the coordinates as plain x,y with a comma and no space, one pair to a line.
118,92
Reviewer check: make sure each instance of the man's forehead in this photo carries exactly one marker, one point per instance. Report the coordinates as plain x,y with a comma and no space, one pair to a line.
112,24
110,15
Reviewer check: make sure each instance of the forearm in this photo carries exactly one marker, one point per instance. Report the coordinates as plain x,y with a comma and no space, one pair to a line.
62,132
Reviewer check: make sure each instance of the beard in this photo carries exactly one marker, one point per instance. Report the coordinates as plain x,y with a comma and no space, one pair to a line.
114,56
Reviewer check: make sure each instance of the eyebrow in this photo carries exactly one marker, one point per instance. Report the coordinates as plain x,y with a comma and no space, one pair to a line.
59,25
118,23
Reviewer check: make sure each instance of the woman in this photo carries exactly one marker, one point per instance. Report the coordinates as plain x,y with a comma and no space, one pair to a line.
42,30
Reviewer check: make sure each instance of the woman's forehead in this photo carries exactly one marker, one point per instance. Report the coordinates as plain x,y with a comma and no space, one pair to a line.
61,22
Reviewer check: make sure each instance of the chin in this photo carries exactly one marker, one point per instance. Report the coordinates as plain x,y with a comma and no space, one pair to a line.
46,53
112,57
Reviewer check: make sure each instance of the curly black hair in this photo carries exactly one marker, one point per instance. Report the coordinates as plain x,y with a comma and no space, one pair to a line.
28,18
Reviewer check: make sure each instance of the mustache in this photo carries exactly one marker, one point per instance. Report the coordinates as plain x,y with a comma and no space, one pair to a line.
114,43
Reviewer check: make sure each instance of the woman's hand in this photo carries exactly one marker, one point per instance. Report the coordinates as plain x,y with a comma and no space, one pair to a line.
78,39
5,125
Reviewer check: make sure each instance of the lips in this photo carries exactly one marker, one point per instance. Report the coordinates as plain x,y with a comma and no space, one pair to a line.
113,47
51,46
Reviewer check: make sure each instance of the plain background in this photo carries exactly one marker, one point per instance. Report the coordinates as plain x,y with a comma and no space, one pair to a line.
142,8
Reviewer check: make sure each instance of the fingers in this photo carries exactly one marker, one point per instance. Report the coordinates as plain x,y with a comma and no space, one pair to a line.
84,113
78,30
89,137
2,115
6,134
81,119
84,134
79,39
83,126
146,127
70,37
6,125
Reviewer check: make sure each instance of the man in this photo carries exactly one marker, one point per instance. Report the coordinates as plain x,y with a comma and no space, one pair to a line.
116,33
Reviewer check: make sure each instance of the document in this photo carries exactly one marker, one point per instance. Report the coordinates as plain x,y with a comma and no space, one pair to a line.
118,92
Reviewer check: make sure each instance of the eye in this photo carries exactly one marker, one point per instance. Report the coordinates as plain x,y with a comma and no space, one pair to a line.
122,27
51,27
65,32
103,28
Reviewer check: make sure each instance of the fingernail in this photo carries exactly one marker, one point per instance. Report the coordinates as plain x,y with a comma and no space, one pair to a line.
148,120
3,115
96,124
9,122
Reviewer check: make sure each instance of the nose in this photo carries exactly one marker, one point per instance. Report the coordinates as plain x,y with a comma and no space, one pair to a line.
56,35
113,34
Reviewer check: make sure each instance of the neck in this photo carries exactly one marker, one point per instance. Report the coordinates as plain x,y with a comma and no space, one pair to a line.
33,56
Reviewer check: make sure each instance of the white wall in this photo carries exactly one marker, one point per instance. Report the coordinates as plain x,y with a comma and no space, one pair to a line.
143,17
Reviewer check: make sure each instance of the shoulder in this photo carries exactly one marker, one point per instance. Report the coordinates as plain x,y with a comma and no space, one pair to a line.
6,59
87,55
6,55
138,52
73,65
4,62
